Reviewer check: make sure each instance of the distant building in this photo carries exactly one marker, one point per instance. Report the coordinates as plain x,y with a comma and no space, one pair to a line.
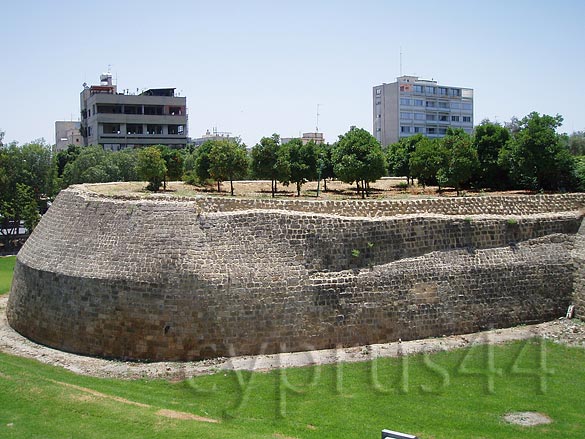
67,133
122,120
215,135
306,138
315,137
411,105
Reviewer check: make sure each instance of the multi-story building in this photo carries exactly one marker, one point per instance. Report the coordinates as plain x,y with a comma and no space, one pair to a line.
67,133
215,135
121,120
411,105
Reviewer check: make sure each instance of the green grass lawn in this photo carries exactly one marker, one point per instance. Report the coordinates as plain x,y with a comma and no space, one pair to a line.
459,394
6,267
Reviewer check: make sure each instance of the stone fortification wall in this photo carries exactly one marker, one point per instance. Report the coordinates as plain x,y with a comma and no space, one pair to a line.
479,205
195,278
579,274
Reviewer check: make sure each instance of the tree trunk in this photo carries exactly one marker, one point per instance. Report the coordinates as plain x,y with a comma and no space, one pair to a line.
324,185
357,183
231,187
298,189
273,187
218,186
363,190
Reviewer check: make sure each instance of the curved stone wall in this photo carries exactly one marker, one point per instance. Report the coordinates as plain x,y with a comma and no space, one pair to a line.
169,279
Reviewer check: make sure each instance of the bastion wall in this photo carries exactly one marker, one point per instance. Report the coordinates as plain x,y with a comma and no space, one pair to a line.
190,278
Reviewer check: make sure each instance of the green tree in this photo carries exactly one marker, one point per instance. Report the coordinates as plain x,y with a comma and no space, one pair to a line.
26,207
580,173
398,156
66,156
489,139
358,157
228,161
536,157
426,161
265,161
126,162
325,163
151,167
202,160
461,159
26,183
92,165
302,161
173,162
576,143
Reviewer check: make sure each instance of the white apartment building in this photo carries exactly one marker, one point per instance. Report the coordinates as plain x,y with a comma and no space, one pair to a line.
411,105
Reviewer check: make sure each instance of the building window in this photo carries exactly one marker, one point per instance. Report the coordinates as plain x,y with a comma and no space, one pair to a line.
431,104
378,91
431,130
419,116
132,109
175,111
466,106
443,118
111,128
154,129
454,118
442,130
404,101
455,105
378,102
133,128
454,92
405,129
466,118
443,104
419,129
176,129
418,89
430,90
378,129
379,116
405,115
418,103
153,110
431,117
89,131
443,91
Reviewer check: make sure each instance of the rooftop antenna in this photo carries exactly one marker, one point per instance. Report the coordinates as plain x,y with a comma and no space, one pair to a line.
400,60
317,126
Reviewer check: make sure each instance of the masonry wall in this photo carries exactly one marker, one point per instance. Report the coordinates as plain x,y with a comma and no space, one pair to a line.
205,277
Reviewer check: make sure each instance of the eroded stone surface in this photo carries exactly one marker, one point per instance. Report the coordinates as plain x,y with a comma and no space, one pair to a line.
207,277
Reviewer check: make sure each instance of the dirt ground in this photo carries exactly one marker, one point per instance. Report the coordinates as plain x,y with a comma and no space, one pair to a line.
387,187
569,332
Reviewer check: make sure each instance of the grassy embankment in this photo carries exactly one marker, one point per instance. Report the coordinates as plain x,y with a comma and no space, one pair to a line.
6,267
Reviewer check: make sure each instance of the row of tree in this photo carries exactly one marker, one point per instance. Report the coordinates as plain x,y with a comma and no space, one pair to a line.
355,157
526,153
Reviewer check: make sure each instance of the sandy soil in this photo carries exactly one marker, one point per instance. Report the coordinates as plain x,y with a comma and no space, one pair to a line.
570,332
388,187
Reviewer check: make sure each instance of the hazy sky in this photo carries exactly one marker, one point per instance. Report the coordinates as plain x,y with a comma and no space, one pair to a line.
257,67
